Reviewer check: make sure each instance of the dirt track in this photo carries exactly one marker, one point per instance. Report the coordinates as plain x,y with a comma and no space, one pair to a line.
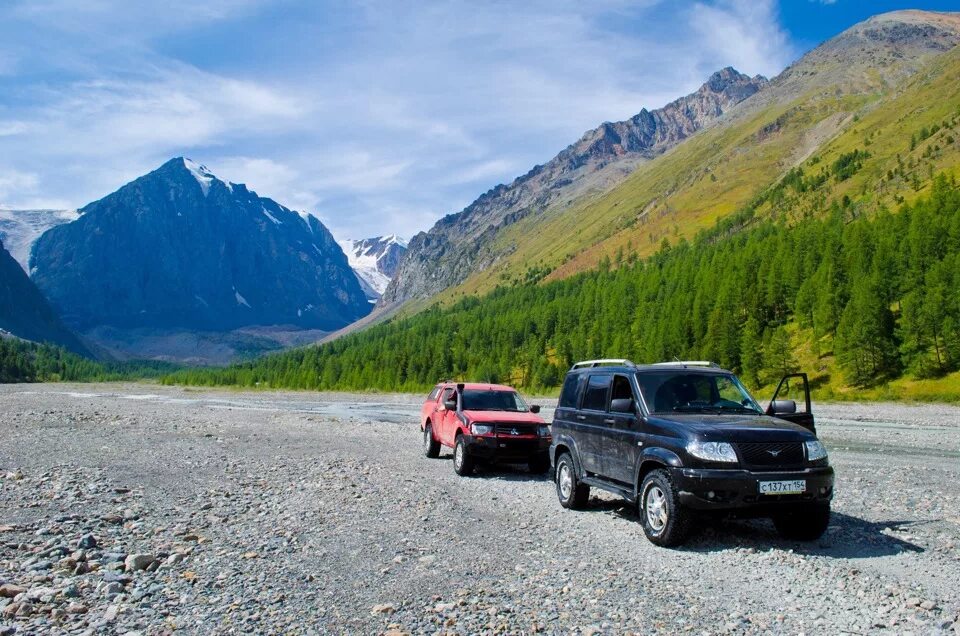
287,512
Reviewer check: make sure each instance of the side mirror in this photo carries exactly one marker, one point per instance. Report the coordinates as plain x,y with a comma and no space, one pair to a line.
621,405
534,408
783,407
450,405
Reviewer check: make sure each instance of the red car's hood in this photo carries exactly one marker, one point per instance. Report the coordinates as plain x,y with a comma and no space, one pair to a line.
504,416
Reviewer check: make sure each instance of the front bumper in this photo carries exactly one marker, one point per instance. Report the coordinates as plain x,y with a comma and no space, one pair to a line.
507,448
733,489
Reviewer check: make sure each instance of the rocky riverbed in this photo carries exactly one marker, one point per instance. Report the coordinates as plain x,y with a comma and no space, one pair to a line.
147,510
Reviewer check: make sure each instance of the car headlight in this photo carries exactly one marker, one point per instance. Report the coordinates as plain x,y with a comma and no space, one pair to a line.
712,451
543,431
815,451
481,429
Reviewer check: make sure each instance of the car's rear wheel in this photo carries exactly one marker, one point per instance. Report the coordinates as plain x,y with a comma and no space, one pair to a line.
571,493
539,464
803,523
431,447
665,521
463,463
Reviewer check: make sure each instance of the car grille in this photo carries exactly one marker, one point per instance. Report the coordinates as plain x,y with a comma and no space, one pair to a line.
771,454
506,430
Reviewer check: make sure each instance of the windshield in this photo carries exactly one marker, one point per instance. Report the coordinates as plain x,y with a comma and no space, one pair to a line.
483,400
679,392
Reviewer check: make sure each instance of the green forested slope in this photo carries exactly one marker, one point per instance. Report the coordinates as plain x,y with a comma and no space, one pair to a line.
22,361
863,299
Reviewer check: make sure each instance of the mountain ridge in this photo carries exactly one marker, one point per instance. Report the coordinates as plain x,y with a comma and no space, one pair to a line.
180,248
26,314
452,249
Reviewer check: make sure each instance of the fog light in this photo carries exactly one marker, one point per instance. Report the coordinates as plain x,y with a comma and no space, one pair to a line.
823,491
711,495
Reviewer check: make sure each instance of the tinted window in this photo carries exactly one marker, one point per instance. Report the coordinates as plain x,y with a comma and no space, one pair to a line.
479,400
622,389
571,390
595,397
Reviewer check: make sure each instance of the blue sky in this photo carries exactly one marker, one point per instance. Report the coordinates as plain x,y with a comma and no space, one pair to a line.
378,117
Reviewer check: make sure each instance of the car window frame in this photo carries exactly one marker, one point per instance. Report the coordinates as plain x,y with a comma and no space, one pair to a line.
587,385
633,390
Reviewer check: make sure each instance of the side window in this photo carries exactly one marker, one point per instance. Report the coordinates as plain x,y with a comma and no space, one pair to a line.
622,389
595,397
571,390
433,394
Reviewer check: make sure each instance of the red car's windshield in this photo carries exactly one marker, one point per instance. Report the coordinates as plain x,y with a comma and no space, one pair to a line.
482,400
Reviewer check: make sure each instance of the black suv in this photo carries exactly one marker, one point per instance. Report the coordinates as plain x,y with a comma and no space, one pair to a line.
686,437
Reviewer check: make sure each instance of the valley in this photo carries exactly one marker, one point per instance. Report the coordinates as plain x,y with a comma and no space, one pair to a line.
300,512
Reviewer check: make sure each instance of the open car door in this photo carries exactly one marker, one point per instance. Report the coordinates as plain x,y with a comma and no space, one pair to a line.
791,401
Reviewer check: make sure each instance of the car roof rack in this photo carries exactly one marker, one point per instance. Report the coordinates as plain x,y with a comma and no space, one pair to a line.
688,363
620,362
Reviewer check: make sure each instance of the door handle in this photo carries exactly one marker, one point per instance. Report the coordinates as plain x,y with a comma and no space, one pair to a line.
609,421
581,417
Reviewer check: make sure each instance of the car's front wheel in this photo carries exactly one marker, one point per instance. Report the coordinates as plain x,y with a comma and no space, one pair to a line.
665,521
463,463
803,523
571,493
431,447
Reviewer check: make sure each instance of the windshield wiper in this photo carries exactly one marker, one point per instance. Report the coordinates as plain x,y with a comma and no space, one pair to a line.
745,409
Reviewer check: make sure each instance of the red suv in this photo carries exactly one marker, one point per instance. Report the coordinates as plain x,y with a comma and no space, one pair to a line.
486,423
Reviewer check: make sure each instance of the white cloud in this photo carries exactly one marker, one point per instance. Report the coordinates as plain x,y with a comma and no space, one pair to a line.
745,33
376,116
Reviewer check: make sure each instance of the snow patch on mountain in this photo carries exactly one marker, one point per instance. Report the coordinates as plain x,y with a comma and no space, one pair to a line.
20,229
374,261
203,176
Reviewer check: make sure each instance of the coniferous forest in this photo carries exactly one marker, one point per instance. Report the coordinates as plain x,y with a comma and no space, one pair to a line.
22,361
878,293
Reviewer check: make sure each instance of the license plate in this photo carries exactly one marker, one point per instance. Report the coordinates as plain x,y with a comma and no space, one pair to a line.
792,487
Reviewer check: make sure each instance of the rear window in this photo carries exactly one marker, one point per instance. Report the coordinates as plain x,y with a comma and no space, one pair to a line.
595,397
571,390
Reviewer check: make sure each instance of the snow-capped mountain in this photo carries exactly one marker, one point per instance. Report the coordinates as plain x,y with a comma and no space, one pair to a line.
179,248
374,261
20,229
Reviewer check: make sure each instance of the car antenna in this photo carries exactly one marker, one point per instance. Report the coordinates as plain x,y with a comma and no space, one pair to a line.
679,361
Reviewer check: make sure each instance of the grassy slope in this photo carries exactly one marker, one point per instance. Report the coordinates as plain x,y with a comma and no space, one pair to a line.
676,196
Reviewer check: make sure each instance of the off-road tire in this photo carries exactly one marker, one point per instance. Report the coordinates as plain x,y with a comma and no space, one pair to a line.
803,523
463,463
539,464
571,493
665,521
431,447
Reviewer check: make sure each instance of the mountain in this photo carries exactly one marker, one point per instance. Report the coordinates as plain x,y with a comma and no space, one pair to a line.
181,249
815,226
375,261
867,90
25,313
463,243
19,229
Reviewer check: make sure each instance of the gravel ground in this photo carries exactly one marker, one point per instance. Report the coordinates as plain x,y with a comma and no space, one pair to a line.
142,509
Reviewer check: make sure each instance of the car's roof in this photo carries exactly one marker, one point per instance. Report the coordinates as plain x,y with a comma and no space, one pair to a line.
650,368
479,386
